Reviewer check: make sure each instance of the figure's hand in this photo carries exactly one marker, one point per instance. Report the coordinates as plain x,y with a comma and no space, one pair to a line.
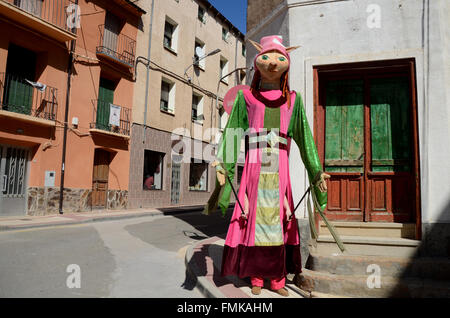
244,214
289,214
219,174
323,183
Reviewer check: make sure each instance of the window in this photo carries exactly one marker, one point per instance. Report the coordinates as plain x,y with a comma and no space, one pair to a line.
153,170
244,50
198,176
165,89
170,34
111,32
201,14
17,93
199,49
224,34
240,170
167,101
197,108
223,69
31,6
104,103
223,118
242,75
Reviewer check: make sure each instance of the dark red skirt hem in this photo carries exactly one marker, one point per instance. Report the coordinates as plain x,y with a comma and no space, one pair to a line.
261,261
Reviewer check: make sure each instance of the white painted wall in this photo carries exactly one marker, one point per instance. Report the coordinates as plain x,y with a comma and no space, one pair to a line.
337,32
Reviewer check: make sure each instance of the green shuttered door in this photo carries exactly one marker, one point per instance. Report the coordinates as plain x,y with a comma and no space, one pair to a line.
105,98
369,116
390,124
344,143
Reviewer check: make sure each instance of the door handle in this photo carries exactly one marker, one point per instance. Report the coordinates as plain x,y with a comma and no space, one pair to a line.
5,182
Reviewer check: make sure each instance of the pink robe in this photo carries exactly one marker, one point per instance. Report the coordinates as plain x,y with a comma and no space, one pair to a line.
266,257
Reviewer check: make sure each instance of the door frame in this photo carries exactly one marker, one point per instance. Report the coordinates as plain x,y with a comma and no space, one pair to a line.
388,68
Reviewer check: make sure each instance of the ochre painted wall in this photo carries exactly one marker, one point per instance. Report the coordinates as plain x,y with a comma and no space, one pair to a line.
52,70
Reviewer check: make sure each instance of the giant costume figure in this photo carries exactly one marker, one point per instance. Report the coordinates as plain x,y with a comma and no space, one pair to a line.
263,240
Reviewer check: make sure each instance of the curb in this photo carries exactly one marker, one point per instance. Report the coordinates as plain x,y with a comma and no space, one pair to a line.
98,218
74,222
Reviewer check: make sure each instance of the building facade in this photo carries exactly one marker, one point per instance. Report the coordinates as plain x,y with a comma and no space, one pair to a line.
375,80
67,78
176,114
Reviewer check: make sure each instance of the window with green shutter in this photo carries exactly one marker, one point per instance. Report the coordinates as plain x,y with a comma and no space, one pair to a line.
105,99
20,66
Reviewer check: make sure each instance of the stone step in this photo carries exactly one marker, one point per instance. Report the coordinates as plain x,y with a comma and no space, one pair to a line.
377,229
358,286
431,268
366,245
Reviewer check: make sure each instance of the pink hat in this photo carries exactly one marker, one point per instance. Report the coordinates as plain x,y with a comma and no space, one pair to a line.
273,42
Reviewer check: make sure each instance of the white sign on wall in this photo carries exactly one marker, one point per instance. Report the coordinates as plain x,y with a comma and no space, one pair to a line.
114,115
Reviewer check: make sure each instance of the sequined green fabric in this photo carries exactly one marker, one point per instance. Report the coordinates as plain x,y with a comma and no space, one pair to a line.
229,146
300,131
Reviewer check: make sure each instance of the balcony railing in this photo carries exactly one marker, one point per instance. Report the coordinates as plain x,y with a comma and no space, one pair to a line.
118,47
19,96
111,118
52,11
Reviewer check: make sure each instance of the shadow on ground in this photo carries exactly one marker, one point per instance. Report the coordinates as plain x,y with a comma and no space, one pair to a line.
199,263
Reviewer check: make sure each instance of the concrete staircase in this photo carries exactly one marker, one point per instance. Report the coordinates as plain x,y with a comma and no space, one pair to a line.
386,249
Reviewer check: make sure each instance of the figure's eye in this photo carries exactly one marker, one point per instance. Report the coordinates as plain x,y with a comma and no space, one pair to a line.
265,57
282,59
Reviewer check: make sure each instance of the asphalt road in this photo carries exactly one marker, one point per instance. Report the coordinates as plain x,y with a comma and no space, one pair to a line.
139,257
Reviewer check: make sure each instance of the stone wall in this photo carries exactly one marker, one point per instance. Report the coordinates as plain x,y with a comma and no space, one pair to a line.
117,199
257,10
45,201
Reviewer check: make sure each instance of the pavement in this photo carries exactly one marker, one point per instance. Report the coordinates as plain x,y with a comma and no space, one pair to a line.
26,221
202,259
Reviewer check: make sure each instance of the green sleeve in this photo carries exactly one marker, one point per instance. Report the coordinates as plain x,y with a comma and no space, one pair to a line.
228,153
300,131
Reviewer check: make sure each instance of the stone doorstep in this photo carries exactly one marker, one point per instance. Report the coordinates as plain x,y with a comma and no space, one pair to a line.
356,286
365,246
378,229
370,240
431,268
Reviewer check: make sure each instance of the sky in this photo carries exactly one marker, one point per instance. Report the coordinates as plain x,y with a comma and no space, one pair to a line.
234,10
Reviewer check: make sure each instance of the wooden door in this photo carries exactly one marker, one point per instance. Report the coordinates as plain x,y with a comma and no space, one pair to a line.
100,178
344,149
368,147
390,178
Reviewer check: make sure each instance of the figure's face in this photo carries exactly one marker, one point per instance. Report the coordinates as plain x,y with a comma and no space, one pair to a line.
272,65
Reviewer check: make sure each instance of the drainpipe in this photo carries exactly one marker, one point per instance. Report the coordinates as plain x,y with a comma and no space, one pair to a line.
148,72
66,119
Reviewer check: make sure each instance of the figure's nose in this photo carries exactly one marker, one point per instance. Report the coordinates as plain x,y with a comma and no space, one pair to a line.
272,66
